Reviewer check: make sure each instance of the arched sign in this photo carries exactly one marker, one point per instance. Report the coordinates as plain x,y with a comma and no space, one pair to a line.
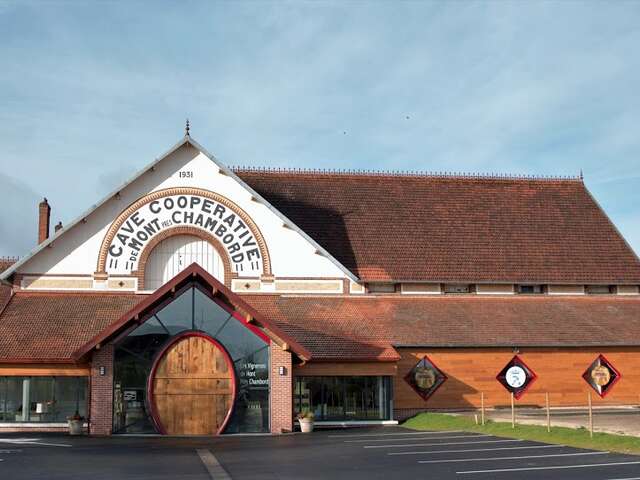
153,214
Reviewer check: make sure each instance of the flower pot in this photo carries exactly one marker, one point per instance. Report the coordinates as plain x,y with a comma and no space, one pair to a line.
75,427
306,425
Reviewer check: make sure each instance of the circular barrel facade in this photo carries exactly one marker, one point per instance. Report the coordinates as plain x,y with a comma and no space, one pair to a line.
192,386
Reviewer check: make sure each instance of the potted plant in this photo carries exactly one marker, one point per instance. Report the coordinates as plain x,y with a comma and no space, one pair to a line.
75,422
306,421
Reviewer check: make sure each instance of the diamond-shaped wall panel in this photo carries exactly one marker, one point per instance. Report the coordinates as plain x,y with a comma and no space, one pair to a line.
425,378
516,377
601,375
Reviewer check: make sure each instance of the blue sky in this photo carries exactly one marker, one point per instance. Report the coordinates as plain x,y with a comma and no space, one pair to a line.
92,91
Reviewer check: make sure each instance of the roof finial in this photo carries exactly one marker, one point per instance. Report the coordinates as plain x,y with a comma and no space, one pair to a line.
186,129
581,175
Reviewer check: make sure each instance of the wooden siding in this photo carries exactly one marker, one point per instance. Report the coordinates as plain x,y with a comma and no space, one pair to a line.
559,371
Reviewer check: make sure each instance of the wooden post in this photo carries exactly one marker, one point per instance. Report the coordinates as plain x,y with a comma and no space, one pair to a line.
482,408
590,417
513,412
546,396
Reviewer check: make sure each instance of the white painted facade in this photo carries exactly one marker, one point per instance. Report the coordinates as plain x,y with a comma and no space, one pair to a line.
74,251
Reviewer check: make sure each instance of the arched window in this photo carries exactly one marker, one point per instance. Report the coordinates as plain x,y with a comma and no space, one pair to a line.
176,253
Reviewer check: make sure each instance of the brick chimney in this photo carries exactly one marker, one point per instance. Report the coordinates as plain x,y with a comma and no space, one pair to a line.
43,221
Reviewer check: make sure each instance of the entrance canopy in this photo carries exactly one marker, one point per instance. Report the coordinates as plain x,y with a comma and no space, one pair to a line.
194,275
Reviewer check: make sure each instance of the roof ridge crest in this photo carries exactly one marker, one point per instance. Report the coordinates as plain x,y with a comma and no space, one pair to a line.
405,173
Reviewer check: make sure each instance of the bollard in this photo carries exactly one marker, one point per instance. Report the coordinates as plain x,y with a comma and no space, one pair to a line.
590,416
546,395
513,412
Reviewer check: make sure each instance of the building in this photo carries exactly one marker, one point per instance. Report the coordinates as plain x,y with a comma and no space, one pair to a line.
198,299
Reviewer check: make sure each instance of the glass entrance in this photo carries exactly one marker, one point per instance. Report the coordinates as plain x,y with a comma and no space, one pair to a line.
192,309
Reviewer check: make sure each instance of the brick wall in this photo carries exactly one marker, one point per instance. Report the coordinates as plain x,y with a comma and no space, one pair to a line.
44,217
281,391
101,404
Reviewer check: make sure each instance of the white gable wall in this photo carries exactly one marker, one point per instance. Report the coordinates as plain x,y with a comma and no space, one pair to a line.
76,251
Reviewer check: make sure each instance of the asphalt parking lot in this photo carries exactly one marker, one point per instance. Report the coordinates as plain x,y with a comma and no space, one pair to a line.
381,453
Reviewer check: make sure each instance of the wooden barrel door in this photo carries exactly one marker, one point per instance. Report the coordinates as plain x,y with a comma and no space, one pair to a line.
192,386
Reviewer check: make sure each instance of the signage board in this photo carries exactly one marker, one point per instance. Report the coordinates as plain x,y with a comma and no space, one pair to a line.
516,377
153,216
425,378
601,375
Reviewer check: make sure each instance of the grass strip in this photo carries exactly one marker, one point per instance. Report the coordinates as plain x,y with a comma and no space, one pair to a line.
572,437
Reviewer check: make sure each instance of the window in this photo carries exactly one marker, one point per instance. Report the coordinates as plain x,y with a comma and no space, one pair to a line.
600,289
530,289
176,253
42,399
381,287
457,288
344,398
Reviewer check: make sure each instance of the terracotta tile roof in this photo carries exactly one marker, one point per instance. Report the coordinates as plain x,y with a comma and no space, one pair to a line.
5,290
338,327
51,326
450,229
5,295
6,262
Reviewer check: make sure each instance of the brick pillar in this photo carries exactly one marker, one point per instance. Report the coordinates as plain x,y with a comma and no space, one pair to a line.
44,217
101,409
281,391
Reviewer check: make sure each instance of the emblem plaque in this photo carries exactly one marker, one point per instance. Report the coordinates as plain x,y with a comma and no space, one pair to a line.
601,375
425,378
516,377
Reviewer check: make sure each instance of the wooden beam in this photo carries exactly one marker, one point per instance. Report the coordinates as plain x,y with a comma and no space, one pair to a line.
46,370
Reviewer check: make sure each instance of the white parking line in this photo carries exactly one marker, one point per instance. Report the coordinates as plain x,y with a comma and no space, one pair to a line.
440,444
392,434
212,465
629,478
31,441
473,435
558,467
489,459
425,452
